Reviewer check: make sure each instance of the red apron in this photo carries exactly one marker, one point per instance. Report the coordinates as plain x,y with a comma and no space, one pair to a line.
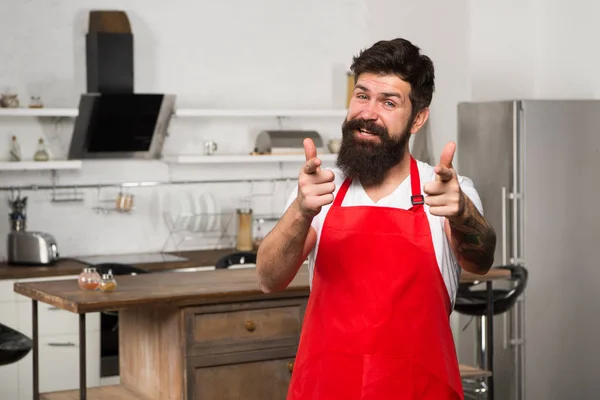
377,320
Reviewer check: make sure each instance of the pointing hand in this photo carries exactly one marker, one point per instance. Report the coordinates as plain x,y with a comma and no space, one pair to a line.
315,186
444,197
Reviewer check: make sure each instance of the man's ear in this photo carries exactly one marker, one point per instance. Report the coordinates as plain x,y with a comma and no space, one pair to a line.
420,120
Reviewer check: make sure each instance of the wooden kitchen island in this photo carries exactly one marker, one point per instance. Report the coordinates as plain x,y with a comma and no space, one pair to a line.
205,335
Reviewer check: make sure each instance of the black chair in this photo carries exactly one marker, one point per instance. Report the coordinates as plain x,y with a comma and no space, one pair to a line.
474,302
470,301
240,257
13,345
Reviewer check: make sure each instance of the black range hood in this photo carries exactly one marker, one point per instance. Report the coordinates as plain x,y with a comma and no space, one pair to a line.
113,121
121,125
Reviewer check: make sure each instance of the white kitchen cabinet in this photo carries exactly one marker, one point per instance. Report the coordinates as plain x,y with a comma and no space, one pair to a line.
9,382
54,321
9,374
58,345
7,291
9,315
59,364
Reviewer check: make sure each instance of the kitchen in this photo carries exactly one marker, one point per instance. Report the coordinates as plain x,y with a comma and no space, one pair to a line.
175,54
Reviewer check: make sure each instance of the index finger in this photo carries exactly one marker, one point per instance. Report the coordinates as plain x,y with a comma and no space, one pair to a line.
310,151
312,165
443,174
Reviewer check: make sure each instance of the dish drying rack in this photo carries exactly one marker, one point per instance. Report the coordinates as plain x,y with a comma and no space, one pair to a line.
221,226
222,232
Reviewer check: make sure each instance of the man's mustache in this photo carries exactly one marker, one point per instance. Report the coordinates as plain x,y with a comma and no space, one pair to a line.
370,126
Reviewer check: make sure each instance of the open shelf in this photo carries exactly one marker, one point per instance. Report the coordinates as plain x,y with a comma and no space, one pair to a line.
38,112
231,159
188,112
39,165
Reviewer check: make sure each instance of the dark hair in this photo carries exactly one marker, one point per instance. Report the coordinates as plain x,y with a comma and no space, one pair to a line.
399,57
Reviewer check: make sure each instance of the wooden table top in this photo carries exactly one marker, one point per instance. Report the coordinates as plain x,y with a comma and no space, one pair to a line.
180,288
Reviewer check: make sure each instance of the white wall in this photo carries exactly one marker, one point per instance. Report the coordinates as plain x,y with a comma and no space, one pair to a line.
533,49
228,54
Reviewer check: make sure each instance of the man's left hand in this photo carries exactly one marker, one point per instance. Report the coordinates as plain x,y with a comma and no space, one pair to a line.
444,197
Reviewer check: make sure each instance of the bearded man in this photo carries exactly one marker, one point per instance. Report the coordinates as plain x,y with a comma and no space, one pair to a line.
386,237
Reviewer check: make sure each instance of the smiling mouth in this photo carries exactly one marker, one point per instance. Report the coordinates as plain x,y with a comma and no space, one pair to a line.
364,132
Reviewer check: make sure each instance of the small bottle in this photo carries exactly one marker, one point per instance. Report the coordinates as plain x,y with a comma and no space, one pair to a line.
108,282
41,154
15,150
89,279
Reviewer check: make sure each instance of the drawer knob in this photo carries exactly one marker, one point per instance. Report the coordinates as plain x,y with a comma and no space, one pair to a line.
250,326
290,366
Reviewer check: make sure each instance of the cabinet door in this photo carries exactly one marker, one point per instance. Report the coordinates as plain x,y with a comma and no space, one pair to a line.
255,380
54,321
59,364
9,382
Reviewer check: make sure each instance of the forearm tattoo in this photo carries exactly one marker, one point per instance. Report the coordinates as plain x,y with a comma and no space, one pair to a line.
477,239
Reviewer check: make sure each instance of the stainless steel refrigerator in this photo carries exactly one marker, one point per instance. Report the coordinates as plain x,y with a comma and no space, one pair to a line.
536,166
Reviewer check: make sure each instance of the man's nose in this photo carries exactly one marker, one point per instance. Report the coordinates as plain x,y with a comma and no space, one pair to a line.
369,112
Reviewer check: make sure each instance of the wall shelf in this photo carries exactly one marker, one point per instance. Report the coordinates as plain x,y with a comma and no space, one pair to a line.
185,112
259,113
242,159
39,165
38,112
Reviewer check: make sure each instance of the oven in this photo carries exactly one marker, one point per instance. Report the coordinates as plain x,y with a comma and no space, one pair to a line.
109,344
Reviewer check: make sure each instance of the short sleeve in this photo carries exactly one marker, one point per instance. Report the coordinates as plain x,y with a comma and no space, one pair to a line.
468,188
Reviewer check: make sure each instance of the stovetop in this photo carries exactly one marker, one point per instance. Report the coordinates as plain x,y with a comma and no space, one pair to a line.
135,258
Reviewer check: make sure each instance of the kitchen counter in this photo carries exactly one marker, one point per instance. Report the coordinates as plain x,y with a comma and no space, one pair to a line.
180,289
201,334
65,267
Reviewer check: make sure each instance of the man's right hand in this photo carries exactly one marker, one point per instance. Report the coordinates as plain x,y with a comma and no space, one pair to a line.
315,187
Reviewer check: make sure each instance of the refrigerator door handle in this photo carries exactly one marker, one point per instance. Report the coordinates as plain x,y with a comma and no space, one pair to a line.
505,332
504,256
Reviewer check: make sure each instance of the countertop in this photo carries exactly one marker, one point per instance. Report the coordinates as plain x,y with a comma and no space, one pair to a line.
179,288
65,267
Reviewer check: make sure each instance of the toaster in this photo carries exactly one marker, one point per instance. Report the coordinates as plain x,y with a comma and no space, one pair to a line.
31,248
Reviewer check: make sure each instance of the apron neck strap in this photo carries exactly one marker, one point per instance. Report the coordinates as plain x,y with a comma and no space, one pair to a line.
415,183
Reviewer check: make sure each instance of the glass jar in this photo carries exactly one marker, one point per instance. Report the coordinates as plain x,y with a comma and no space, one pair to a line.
108,282
244,230
89,279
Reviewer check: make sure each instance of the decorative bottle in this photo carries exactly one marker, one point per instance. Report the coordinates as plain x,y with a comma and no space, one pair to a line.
15,150
41,154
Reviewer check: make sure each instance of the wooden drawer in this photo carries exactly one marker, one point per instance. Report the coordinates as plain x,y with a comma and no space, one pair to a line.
255,325
263,375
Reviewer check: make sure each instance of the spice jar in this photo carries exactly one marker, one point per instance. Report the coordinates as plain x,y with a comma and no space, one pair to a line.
108,282
89,279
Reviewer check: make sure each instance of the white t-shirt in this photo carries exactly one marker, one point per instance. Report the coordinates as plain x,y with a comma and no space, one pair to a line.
400,198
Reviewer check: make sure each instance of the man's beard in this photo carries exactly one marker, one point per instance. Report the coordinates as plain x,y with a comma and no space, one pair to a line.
370,160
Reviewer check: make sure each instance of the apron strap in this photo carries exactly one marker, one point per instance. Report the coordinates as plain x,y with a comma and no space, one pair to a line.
337,202
415,183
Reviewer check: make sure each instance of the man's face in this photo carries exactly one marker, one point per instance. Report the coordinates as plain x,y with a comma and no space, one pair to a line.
377,128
